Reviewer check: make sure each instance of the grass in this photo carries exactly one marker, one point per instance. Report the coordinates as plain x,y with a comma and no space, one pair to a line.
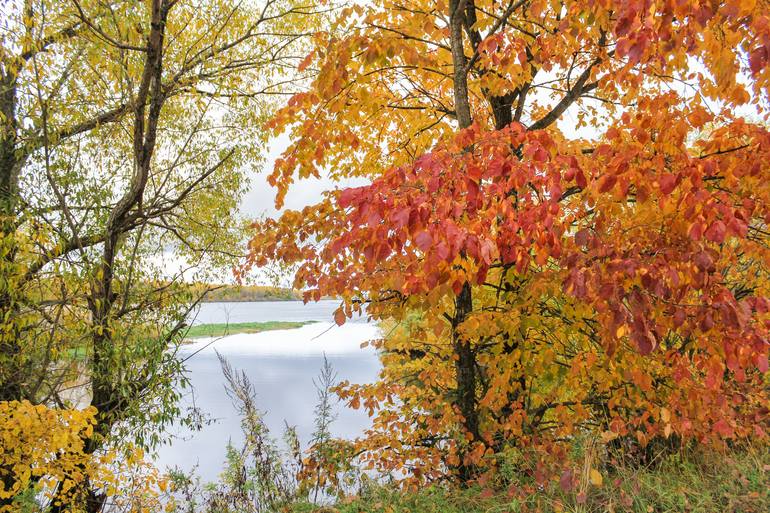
704,481
220,330
211,330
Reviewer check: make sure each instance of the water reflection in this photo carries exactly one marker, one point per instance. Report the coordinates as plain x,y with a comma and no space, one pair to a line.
281,364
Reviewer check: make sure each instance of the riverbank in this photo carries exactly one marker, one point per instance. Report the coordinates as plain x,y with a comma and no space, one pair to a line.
223,329
230,293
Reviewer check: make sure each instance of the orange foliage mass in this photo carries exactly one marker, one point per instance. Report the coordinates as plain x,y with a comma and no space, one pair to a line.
542,284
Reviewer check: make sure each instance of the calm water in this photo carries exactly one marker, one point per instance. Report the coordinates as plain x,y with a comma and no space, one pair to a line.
281,365
210,313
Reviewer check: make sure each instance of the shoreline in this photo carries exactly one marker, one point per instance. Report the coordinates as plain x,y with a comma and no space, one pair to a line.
225,329
266,300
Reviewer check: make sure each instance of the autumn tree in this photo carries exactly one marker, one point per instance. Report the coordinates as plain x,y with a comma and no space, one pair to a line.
567,219
128,129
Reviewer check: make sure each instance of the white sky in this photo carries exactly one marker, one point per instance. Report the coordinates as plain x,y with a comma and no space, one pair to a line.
260,199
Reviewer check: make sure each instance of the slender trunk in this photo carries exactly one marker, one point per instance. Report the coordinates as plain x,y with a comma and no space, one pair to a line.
108,396
10,369
465,371
465,362
459,61
501,105
8,163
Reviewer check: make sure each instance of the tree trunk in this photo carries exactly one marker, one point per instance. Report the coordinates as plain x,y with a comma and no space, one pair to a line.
465,371
459,61
108,396
465,363
10,368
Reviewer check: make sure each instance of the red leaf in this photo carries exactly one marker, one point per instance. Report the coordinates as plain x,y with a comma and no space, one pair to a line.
339,316
306,61
423,240
400,217
637,48
667,183
347,196
608,182
707,322
762,363
645,342
758,59
540,155
722,428
716,232
485,248
442,250
580,179
704,262
679,317
473,191
696,230
623,25
581,237
565,482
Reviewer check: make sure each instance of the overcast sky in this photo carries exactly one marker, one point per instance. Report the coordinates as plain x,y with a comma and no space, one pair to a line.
260,199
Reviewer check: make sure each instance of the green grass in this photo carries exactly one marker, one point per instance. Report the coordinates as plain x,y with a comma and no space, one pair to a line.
211,330
220,330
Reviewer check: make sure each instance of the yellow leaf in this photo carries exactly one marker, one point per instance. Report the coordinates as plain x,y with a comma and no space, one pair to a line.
596,477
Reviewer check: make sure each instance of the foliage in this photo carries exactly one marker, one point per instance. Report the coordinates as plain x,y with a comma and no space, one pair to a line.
700,482
126,131
42,443
44,461
329,467
565,218
219,330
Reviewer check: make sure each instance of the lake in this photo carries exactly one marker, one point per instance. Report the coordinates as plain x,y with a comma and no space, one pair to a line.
281,364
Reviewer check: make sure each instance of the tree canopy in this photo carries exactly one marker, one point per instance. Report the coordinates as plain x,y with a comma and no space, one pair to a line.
567,218
128,132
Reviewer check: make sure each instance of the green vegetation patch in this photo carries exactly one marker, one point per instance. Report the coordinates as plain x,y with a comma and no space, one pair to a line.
220,330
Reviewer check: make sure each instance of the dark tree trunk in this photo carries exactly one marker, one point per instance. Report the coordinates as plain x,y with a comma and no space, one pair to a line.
465,363
465,372
10,369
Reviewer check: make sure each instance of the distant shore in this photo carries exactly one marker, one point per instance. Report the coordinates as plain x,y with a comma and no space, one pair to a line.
265,300
227,293
221,330
250,300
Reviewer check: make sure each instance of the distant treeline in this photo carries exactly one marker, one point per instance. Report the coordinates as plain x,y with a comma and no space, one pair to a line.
242,293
